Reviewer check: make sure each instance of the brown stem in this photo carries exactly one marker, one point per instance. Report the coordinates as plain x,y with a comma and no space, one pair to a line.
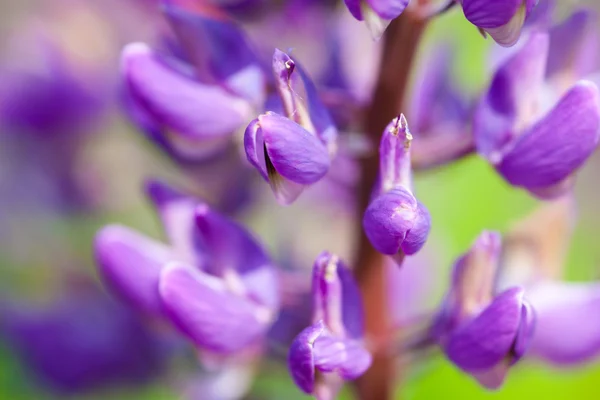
401,40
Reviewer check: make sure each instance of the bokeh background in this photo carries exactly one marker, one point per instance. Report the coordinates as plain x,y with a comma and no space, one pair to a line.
70,162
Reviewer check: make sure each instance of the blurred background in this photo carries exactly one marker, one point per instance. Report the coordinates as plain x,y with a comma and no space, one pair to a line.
71,162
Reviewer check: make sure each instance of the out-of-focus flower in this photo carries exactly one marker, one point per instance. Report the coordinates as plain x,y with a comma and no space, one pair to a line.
214,282
529,146
395,222
568,330
331,350
192,106
481,331
573,51
377,14
49,105
293,151
501,19
439,114
84,341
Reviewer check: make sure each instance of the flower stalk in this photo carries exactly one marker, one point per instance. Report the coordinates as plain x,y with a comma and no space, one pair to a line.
401,42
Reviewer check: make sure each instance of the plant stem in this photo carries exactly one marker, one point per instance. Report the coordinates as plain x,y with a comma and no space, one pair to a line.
400,44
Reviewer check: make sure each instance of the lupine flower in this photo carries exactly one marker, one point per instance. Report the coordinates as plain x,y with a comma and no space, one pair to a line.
214,282
531,148
191,107
395,222
567,330
294,151
68,352
573,51
439,114
501,19
377,14
481,331
331,350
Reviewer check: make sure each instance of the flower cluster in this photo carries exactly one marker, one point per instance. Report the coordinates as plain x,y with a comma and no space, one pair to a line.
211,92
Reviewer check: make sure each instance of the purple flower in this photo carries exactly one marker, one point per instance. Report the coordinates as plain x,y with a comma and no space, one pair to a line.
501,19
395,221
83,341
377,14
192,106
214,282
481,331
439,113
330,350
537,150
294,151
568,330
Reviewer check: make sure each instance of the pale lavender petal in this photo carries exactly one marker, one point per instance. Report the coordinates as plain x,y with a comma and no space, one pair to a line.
557,145
130,264
394,155
177,212
301,101
203,309
327,292
301,361
568,327
349,357
510,103
474,274
486,340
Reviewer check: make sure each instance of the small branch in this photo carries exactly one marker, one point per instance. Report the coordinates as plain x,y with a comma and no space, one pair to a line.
401,42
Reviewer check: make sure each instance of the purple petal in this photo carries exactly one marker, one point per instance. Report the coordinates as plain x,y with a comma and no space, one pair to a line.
301,100
574,46
349,357
294,153
525,333
354,6
568,327
389,218
490,14
507,35
254,147
417,236
474,274
216,45
394,155
205,310
352,307
486,340
557,145
388,9
232,251
189,112
511,98
177,212
130,264
327,292
301,361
